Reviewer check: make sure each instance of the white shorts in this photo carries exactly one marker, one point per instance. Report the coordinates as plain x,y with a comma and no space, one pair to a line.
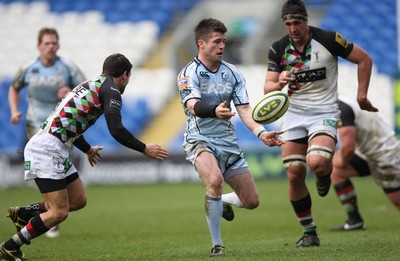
47,157
298,124
385,171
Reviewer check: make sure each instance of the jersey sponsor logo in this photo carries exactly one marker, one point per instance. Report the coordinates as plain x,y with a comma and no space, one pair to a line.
184,93
332,123
341,40
217,88
46,80
80,91
311,75
115,103
183,82
204,74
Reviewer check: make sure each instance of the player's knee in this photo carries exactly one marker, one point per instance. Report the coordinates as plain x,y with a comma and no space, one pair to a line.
251,202
78,203
319,159
320,165
214,185
59,215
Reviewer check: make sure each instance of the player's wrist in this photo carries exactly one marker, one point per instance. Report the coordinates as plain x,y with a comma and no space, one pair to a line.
259,131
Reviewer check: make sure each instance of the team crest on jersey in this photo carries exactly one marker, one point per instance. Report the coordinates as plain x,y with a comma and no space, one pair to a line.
115,103
183,82
341,40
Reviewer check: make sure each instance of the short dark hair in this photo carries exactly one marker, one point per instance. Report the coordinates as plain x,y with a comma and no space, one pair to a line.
45,31
296,8
207,26
116,64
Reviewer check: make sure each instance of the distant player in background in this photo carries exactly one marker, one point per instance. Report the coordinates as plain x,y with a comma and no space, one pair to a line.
307,60
368,146
47,158
207,86
48,78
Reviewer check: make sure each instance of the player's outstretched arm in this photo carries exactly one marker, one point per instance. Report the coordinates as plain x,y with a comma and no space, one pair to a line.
155,151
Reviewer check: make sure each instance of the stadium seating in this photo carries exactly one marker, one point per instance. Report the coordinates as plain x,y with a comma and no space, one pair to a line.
89,31
371,24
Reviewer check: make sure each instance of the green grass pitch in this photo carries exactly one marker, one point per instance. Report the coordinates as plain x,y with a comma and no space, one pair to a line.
167,222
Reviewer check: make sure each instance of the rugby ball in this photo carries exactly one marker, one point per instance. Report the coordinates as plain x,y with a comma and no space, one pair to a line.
271,107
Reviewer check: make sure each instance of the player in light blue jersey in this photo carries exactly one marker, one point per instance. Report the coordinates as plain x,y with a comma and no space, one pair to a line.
48,78
208,85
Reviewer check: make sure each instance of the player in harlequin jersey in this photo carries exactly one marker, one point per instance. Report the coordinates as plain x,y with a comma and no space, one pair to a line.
208,86
306,59
47,79
368,146
47,152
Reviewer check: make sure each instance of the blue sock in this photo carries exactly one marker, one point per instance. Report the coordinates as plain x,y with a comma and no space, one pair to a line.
213,214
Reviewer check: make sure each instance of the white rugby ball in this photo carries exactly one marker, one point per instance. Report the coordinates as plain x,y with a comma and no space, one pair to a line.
271,107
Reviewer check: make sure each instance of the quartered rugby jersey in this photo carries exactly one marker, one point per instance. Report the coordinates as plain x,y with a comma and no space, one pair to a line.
78,110
316,68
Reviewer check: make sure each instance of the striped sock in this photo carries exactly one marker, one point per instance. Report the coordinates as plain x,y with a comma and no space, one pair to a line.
302,208
348,197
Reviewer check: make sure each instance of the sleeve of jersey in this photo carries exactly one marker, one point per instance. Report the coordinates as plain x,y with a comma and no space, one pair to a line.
240,95
188,87
82,144
340,45
112,104
18,81
274,59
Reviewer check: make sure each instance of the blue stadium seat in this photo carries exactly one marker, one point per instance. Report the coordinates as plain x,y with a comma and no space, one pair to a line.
371,25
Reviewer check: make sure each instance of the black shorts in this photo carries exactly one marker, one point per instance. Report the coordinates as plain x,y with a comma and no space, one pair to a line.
50,185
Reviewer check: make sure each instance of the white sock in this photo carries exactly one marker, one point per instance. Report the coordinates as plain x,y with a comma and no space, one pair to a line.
232,199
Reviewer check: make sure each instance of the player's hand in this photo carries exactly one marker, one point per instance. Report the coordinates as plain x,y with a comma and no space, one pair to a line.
285,77
62,91
366,105
16,117
155,151
271,138
93,155
223,112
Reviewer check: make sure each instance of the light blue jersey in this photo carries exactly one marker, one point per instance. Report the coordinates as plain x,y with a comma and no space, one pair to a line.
213,88
43,84
214,135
